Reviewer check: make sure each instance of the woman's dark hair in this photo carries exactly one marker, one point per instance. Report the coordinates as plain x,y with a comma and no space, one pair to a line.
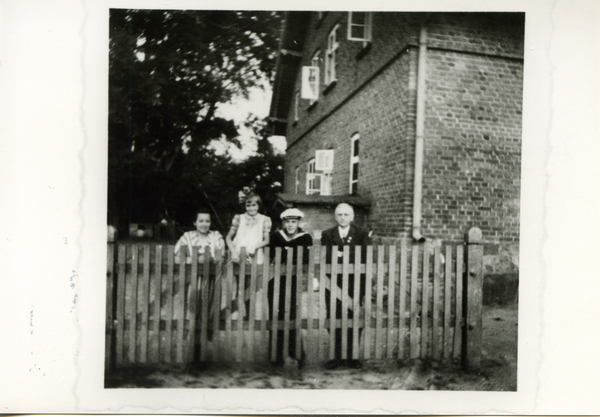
200,211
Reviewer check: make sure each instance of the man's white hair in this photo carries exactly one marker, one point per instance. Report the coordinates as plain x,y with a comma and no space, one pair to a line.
341,205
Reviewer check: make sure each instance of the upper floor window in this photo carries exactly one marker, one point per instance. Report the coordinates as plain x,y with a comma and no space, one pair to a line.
359,26
316,62
330,56
310,79
354,162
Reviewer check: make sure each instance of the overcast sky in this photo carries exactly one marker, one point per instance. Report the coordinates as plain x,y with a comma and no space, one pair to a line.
257,104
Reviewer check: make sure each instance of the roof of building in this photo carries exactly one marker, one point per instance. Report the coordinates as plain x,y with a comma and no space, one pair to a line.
288,199
288,60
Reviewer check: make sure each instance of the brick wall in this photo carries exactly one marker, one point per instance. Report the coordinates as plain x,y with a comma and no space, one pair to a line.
472,127
472,155
386,146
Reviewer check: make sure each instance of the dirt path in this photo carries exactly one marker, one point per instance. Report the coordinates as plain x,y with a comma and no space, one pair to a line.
499,370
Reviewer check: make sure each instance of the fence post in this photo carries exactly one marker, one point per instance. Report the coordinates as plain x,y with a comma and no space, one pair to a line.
472,331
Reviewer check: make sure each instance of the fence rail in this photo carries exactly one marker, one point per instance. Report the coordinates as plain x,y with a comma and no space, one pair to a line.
162,308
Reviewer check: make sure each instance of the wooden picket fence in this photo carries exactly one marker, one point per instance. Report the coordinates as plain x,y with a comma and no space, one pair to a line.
420,302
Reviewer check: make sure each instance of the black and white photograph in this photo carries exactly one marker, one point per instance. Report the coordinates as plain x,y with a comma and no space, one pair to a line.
235,208
356,229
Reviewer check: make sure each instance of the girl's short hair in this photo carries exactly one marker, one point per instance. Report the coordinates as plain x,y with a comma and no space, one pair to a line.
252,196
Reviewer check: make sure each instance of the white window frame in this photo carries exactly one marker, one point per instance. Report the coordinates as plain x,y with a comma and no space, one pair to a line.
367,28
311,178
330,56
354,159
297,180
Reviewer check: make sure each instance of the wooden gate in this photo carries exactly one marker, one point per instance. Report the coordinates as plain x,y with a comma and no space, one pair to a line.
420,301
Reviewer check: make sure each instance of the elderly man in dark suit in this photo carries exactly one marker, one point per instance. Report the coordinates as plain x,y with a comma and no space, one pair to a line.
344,234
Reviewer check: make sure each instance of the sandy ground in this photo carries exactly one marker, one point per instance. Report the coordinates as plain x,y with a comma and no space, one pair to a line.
499,370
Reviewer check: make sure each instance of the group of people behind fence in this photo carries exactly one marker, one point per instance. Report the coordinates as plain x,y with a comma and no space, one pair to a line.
252,230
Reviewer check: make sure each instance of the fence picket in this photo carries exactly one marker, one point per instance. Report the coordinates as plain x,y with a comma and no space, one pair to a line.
310,294
121,280
447,302
391,302
132,303
179,307
241,305
357,312
168,338
265,302
143,298
299,290
289,270
402,301
379,303
414,308
204,287
345,301
322,305
154,311
275,306
436,347
192,296
459,303
252,313
218,303
368,284
333,290
228,289
425,301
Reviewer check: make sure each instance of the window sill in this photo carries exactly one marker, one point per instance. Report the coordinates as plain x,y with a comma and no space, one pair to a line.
365,49
329,87
312,105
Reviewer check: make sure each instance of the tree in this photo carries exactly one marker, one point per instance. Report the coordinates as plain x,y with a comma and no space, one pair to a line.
169,71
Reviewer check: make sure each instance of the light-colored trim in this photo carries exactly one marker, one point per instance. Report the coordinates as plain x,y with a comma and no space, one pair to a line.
420,132
297,180
292,53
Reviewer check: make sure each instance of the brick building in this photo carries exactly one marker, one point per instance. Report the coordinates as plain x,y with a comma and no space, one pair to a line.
417,116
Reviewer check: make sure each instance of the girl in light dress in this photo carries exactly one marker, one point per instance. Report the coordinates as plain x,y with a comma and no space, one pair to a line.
250,230
201,238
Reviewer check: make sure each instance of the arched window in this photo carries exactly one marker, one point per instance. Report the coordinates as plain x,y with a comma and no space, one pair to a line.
313,179
354,163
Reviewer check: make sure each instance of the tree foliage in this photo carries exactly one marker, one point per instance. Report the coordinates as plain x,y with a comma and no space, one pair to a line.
169,72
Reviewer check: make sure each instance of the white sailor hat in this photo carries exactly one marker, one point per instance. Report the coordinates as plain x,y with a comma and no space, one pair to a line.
292,213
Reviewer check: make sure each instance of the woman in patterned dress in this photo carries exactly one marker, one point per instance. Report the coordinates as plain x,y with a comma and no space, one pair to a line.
201,238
